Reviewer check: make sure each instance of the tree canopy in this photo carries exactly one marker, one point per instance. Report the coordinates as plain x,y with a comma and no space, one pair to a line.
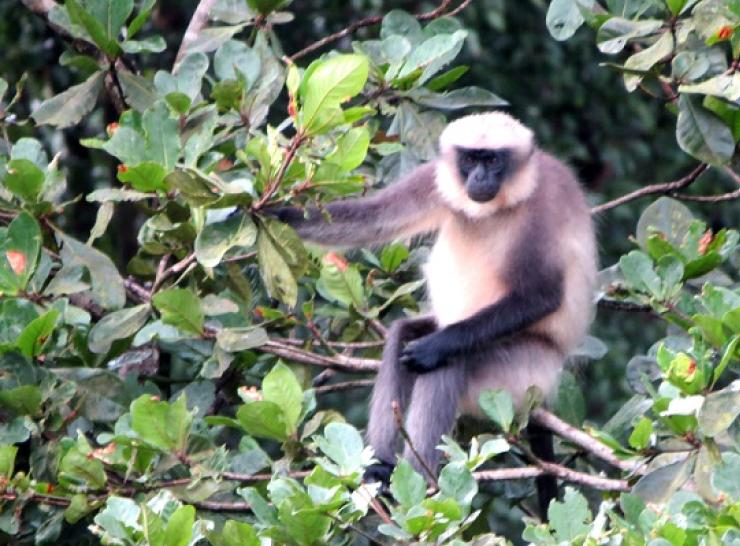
178,368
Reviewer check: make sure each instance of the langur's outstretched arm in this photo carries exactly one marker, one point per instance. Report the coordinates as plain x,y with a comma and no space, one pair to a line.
530,299
407,207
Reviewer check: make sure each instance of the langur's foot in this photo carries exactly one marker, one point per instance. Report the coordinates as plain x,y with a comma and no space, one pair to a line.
379,472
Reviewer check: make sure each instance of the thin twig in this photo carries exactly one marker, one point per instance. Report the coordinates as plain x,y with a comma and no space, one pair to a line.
338,362
733,175
399,424
222,506
552,422
729,196
197,23
653,189
374,20
273,186
352,345
360,384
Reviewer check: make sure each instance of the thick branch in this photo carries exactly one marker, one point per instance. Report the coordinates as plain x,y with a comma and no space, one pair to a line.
654,189
585,441
197,24
440,11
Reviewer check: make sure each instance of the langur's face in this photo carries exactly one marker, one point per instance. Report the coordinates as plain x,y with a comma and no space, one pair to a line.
483,171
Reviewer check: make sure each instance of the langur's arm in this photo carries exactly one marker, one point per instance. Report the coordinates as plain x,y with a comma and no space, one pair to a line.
537,293
407,207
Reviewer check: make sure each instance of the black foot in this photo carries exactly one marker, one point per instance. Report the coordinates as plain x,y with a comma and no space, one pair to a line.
379,472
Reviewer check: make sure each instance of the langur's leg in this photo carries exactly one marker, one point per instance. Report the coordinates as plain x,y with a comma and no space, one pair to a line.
432,411
393,383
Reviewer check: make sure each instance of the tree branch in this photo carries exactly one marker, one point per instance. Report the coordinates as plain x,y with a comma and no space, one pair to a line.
197,23
337,362
583,440
729,196
374,20
361,384
663,188
559,471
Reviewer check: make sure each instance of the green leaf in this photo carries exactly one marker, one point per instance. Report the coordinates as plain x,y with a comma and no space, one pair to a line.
146,177
393,256
702,134
112,14
342,444
563,19
107,284
235,533
331,83
117,325
180,308
671,218
91,17
78,508
80,468
640,437
151,44
162,425
432,55
179,528
408,487
342,283
400,23
724,86
644,60
34,336
7,460
139,92
233,340
719,411
658,485
457,481
498,405
725,476
235,59
19,253
265,7
24,179
638,271
281,387
617,31
460,98
569,519
569,403
263,419
445,79
675,6
351,148
282,259
23,400
217,238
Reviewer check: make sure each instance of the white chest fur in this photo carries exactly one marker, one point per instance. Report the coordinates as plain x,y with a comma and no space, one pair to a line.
461,273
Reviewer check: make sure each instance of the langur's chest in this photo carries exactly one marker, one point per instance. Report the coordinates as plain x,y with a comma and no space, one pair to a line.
464,272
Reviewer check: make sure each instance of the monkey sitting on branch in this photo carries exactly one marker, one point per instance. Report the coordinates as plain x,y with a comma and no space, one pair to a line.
510,278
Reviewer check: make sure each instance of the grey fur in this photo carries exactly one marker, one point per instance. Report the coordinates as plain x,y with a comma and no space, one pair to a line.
547,230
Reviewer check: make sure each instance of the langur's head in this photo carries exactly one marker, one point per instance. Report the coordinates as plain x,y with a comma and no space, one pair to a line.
486,163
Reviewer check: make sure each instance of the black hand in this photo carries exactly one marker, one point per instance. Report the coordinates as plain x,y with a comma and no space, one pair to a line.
424,354
379,472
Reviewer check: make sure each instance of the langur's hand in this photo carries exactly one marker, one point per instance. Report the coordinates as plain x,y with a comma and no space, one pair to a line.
424,354
379,472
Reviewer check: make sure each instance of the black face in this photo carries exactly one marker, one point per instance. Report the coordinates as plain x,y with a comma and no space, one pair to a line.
483,171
